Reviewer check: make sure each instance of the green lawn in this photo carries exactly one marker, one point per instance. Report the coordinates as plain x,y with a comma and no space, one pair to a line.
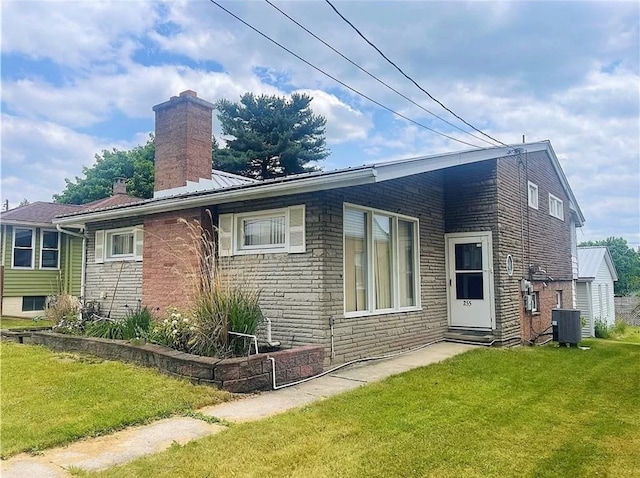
49,398
17,323
533,412
631,334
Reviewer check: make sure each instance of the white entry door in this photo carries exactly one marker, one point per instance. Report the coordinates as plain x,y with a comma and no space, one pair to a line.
470,280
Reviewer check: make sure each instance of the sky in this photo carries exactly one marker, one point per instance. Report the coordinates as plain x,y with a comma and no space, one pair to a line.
79,77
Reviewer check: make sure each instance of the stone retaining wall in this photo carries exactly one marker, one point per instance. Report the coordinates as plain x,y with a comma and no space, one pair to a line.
241,374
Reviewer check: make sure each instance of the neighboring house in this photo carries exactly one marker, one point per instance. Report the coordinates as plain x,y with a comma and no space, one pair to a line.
37,259
594,291
40,259
476,246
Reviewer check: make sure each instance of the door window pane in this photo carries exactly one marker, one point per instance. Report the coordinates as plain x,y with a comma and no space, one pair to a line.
406,263
469,257
382,261
469,285
355,260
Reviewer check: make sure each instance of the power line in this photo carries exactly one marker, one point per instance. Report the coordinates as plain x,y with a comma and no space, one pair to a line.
373,76
407,76
339,81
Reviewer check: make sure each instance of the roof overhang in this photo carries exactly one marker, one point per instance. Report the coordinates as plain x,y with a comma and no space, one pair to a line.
27,224
320,181
341,179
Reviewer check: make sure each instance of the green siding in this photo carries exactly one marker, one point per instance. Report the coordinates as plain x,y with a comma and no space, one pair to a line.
21,282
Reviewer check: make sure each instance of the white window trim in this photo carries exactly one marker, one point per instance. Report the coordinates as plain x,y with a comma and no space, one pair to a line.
559,201
535,302
235,235
558,299
105,247
533,204
57,267
370,279
33,248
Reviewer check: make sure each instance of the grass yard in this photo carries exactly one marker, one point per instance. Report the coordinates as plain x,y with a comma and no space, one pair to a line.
49,398
630,334
534,412
18,323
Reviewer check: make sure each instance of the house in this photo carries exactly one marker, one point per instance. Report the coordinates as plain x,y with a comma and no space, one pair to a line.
37,259
40,259
473,246
594,288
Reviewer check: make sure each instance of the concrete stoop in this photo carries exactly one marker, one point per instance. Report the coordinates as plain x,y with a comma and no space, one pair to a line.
94,454
474,337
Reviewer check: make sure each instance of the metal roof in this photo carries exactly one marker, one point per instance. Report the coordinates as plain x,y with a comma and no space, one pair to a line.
200,193
590,259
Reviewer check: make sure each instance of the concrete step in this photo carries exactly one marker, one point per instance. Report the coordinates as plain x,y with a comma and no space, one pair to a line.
479,337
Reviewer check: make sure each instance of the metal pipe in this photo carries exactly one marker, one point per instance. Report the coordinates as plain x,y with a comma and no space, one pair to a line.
255,339
338,367
333,350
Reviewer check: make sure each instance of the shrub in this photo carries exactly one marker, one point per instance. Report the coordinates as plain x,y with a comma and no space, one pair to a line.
135,325
602,330
64,312
620,326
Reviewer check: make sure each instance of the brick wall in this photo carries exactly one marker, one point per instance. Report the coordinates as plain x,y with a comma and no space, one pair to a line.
171,259
532,237
114,285
182,141
535,323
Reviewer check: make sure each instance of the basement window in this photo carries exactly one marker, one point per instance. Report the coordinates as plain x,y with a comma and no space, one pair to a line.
555,207
33,303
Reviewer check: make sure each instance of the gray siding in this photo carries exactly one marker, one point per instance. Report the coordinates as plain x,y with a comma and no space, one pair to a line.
120,281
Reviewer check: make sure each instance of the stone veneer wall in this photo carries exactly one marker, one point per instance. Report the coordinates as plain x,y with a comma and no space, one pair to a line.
118,282
303,292
241,374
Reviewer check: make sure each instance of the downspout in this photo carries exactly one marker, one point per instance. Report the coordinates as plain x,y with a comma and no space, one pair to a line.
83,269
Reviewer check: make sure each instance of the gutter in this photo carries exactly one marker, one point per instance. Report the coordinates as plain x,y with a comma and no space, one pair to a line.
349,178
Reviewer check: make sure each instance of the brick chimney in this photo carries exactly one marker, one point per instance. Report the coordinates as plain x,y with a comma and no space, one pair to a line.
119,186
182,141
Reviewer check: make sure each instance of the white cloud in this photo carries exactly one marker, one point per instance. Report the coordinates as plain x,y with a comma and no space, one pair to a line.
38,155
344,123
74,33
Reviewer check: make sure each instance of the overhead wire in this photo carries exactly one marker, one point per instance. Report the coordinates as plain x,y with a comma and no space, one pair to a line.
382,82
417,123
407,76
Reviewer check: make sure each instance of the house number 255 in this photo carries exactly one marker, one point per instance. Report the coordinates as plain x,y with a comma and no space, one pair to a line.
466,303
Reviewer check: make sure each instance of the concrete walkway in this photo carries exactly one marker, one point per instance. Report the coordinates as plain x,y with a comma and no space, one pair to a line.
107,451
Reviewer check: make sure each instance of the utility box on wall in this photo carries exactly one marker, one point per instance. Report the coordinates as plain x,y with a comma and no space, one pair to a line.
567,328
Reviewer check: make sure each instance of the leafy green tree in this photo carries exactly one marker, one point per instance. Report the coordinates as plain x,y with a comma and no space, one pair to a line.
135,165
271,136
627,262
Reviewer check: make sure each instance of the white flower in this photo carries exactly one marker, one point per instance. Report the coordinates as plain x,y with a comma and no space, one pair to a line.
166,321
174,332
174,322
186,321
